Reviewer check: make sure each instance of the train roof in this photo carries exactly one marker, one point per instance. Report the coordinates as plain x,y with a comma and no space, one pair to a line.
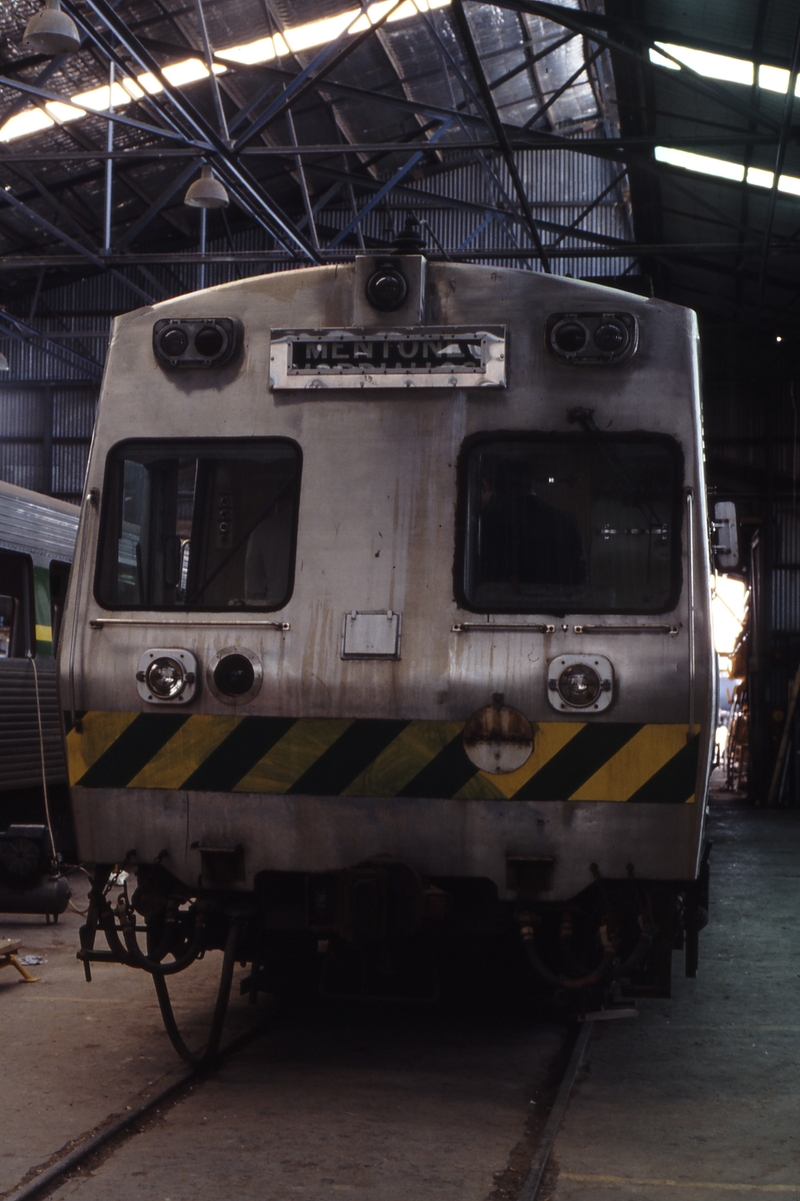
38,525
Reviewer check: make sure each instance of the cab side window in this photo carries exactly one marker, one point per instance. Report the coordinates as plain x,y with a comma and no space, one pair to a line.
17,626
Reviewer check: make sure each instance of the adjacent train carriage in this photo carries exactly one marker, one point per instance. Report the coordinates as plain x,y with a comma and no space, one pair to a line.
37,543
392,608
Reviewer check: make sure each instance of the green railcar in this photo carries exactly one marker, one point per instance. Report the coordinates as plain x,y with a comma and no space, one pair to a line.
37,543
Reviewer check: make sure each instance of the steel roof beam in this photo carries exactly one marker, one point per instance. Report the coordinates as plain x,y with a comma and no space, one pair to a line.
31,89
527,63
61,236
345,254
321,65
175,185
249,192
780,156
559,92
154,154
495,121
572,227
590,25
386,188
21,331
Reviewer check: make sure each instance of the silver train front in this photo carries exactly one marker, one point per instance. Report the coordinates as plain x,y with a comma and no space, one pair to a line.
190,785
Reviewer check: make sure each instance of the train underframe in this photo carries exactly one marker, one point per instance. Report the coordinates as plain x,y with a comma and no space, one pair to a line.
380,931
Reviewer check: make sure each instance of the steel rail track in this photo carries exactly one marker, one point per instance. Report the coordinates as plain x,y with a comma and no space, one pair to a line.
533,1181
54,1172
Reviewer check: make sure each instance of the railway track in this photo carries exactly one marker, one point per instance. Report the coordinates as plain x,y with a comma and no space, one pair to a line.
106,1139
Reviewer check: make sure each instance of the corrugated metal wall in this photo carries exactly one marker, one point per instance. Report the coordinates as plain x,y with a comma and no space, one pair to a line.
786,570
49,395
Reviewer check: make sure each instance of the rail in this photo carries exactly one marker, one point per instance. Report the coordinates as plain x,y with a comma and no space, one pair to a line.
91,502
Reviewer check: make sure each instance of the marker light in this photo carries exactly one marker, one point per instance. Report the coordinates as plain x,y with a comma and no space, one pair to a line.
386,288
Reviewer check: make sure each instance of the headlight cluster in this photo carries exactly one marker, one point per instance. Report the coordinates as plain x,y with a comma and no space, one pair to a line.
592,339
169,675
195,342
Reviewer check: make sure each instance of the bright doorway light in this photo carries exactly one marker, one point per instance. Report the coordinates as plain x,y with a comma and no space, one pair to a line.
728,614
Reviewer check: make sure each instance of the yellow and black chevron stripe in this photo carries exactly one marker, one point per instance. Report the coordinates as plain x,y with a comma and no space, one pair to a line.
578,761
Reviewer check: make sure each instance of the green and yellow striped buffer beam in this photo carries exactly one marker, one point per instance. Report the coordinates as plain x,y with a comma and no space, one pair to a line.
577,761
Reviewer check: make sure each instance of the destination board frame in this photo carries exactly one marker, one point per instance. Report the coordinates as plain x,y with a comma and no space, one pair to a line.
366,358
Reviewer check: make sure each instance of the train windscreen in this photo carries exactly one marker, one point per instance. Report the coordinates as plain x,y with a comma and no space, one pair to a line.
206,525
578,523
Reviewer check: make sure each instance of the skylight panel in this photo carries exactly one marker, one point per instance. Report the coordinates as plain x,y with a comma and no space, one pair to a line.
774,79
326,29
700,162
32,120
712,66
790,184
757,176
301,37
723,67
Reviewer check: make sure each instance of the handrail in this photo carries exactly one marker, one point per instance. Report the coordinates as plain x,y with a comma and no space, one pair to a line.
97,623
691,591
469,627
91,501
653,629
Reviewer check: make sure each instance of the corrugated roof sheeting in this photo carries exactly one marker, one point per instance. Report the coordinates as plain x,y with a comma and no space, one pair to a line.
575,179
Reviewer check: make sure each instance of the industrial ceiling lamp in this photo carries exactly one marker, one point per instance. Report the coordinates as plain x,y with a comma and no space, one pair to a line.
4,363
206,192
51,31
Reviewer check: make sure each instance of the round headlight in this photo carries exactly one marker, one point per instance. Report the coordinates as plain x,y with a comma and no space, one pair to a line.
579,685
234,675
173,341
165,678
386,289
569,336
610,337
209,341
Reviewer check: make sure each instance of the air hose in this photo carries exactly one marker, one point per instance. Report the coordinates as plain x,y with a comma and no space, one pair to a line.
606,970
600,973
205,1056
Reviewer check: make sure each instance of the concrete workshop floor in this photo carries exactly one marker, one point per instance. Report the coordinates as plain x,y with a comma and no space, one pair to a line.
389,1104
696,1099
700,1096
73,1052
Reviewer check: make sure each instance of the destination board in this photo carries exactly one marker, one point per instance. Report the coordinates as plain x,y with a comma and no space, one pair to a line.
426,357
